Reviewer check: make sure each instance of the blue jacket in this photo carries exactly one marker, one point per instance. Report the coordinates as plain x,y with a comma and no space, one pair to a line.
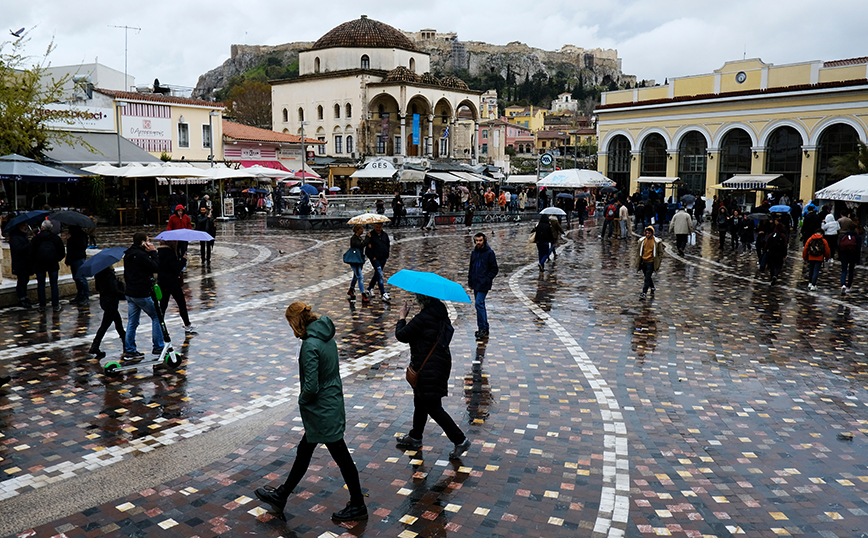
483,269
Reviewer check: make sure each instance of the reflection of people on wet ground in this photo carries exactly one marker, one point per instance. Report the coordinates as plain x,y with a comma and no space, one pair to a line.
169,277
483,269
429,334
477,388
321,403
111,291
649,255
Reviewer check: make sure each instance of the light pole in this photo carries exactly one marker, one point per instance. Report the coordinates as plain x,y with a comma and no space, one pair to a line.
211,114
303,149
118,106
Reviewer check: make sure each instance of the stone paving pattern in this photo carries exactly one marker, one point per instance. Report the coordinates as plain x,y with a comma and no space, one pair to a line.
736,396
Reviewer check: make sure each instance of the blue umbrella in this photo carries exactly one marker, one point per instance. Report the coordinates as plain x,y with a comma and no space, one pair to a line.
308,188
184,235
429,284
102,259
565,195
31,217
780,209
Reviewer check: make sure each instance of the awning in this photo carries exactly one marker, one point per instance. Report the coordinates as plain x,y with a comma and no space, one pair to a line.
412,176
662,180
758,182
445,177
266,164
471,178
850,189
105,148
374,173
521,180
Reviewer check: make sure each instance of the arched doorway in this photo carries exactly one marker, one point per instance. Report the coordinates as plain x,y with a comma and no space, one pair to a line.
784,155
734,154
383,126
692,162
418,110
836,141
442,117
653,156
619,162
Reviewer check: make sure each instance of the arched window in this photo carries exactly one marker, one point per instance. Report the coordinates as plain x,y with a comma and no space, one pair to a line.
692,162
784,154
337,111
653,156
349,113
319,112
300,114
412,65
619,161
836,141
316,65
366,62
285,115
734,154
349,143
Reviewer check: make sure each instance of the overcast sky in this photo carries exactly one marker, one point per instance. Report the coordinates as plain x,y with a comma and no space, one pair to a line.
657,39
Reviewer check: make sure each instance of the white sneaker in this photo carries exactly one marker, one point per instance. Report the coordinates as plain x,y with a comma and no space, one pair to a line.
843,290
811,287
189,329
846,290
386,297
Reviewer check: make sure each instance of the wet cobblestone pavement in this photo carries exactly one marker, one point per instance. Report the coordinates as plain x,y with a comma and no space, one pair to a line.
720,407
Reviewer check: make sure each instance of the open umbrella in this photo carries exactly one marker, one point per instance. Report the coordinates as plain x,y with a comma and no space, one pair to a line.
780,209
553,211
368,218
583,195
608,190
294,190
310,189
184,235
688,199
430,284
31,217
102,259
334,189
72,218
759,216
355,188
463,189
565,195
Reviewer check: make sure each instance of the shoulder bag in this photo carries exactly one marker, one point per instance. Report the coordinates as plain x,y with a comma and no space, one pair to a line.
354,256
412,375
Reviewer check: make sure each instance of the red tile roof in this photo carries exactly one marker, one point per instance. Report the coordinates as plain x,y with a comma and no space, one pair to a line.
848,61
237,131
157,98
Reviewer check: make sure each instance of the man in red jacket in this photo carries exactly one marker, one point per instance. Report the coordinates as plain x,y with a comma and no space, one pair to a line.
180,221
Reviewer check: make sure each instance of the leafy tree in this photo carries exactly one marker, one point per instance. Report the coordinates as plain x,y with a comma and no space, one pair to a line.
852,163
249,103
25,92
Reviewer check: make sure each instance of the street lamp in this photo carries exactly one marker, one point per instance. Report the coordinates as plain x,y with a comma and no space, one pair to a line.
211,114
303,149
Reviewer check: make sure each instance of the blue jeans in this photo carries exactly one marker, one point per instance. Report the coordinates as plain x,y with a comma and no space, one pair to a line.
83,292
135,306
481,313
378,276
608,224
543,250
40,288
357,276
814,271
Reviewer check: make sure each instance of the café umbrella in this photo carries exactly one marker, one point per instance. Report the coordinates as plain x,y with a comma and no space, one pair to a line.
17,168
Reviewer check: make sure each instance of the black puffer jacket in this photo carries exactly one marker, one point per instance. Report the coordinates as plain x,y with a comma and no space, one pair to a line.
111,290
19,247
76,245
46,250
139,268
169,273
421,333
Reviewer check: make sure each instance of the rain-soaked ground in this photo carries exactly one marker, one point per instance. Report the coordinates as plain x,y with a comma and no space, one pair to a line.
720,407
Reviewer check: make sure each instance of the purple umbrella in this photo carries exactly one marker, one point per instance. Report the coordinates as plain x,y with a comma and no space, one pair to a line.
184,235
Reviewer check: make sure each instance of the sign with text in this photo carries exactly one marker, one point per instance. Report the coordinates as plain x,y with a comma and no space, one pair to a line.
64,117
379,164
251,153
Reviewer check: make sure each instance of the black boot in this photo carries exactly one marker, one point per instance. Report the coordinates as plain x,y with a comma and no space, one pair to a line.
352,512
274,497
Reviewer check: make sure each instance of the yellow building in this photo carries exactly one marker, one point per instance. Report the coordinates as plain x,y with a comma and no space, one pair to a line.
748,117
527,116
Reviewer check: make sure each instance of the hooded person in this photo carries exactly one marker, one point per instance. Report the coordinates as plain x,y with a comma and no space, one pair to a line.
321,404
180,221
649,255
830,227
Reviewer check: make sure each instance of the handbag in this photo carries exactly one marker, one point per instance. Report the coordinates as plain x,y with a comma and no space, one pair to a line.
412,375
692,239
353,256
532,238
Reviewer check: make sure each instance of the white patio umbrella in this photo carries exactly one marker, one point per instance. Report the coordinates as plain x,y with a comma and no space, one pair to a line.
104,169
263,171
850,189
575,178
221,173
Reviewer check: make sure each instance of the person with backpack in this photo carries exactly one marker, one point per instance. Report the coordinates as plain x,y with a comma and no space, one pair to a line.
46,251
849,252
609,215
816,251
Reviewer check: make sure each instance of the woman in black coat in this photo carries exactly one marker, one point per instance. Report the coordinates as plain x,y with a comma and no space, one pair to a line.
111,291
169,278
46,250
543,238
19,248
429,334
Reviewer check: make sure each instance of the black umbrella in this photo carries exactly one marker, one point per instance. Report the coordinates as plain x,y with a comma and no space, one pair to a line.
688,199
583,195
31,217
759,216
102,259
565,195
72,218
608,190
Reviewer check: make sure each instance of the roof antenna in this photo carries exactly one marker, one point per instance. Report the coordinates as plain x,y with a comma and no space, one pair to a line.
126,29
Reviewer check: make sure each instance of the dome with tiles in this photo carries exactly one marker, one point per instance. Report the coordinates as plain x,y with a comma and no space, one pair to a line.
402,74
451,81
428,78
365,33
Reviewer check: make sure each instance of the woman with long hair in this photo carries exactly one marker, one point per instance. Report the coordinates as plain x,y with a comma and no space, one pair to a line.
543,237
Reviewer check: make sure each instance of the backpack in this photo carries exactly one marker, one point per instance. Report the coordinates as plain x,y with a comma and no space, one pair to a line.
776,243
610,212
848,242
816,247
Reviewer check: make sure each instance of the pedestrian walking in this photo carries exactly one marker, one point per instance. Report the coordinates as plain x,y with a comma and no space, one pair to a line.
849,252
180,221
581,211
19,249
775,250
397,210
682,226
623,220
430,205
145,200
522,200
699,210
609,215
649,255
542,236
429,334
141,261
46,251
746,232
205,222
734,228
356,242
830,229
815,252
377,252
811,222
76,254
557,233
323,413
111,291
483,269
169,278
468,216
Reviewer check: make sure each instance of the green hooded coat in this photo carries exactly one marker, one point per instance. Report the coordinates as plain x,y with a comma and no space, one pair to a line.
321,400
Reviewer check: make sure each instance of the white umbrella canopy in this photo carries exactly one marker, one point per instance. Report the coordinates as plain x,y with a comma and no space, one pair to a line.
182,170
104,169
575,178
850,189
368,218
223,172
137,170
263,171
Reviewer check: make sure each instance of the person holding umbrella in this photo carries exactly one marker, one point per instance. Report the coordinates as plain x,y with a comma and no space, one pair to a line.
356,242
140,263
542,236
378,252
180,221
46,251
76,254
169,277
111,291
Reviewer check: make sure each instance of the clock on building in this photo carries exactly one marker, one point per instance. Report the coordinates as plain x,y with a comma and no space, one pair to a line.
740,77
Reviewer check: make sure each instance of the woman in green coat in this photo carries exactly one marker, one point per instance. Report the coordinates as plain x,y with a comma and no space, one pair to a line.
321,402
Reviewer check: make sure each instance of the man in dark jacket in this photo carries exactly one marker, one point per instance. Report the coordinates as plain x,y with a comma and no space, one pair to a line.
397,209
76,254
810,223
205,223
46,250
140,263
19,248
378,252
483,269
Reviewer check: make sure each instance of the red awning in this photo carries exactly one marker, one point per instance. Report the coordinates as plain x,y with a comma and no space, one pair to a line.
307,173
267,164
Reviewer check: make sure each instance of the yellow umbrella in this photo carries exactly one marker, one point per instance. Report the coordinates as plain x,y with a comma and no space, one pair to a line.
368,218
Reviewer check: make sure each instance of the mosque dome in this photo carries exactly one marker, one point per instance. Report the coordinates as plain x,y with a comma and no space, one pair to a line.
428,78
365,33
451,81
402,74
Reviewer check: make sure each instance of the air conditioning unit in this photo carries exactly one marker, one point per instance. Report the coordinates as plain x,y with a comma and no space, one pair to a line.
353,155
397,160
424,163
